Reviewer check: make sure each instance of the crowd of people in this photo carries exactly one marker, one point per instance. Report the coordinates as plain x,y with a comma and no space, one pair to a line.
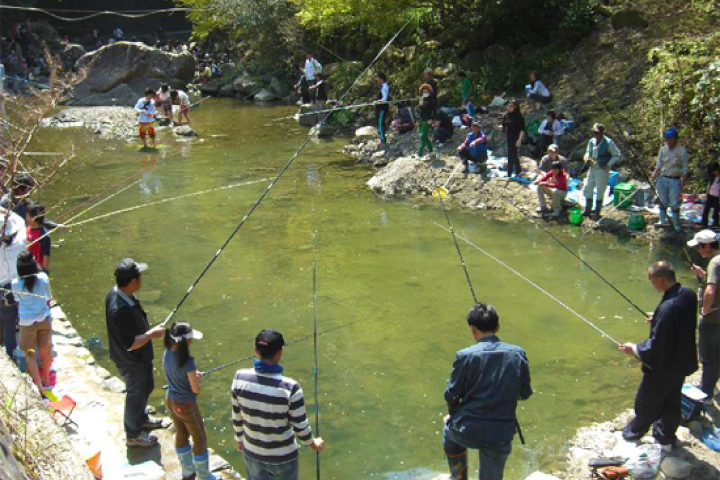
166,99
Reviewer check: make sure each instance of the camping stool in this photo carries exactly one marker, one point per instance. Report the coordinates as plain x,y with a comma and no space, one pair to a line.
65,407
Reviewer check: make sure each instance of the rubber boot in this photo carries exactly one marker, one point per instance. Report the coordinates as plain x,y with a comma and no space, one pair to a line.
458,466
588,207
202,467
186,462
598,209
675,219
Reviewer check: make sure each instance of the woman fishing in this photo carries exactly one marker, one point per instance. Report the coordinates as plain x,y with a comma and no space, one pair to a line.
32,291
183,381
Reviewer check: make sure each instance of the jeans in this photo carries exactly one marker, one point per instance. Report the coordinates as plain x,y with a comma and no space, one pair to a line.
668,190
709,347
138,384
493,456
256,470
712,203
657,404
8,318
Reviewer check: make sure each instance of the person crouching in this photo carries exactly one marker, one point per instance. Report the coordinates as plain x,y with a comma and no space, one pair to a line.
553,184
474,148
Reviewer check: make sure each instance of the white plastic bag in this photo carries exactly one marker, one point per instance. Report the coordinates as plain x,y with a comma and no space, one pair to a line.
646,462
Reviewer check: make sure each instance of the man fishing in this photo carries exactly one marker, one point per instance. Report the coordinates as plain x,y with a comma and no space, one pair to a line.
667,357
486,382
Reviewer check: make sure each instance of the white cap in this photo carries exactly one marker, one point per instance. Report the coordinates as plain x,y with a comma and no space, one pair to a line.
191,335
703,237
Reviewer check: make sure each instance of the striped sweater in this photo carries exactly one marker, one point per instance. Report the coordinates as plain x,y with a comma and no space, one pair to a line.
268,412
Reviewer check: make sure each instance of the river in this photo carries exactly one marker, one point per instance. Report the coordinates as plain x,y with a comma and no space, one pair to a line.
382,264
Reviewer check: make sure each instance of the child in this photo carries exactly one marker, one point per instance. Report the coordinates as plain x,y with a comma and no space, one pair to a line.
35,218
145,107
183,381
713,196
32,291
183,100
165,101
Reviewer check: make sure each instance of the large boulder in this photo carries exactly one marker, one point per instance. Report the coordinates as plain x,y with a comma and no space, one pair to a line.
629,18
71,54
226,90
120,95
264,96
245,86
278,87
134,64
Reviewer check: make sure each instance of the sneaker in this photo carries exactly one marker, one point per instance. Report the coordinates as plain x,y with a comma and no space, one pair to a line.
142,441
151,423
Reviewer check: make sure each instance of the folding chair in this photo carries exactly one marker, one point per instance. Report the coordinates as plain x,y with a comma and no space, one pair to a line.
65,407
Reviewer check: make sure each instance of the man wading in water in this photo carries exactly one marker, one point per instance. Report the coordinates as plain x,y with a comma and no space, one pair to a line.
486,382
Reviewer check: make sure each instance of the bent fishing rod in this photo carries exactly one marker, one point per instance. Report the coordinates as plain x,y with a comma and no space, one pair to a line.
347,107
277,178
451,230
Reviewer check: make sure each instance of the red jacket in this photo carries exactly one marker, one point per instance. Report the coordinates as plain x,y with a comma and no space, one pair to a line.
555,181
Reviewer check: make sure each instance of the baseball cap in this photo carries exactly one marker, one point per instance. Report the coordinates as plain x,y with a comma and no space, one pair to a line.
129,268
269,342
670,133
703,237
599,128
553,148
184,331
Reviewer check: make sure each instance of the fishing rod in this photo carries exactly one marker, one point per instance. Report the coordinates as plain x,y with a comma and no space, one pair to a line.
144,205
280,174
337,109
315,336
199,101
574,254
451,230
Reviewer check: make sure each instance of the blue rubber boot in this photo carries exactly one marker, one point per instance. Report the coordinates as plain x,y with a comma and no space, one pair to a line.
186,462
202,467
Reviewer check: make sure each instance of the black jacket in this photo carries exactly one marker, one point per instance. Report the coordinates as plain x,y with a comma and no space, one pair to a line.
124,322
671,350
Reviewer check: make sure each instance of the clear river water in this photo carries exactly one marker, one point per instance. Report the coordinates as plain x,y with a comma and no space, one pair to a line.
381,263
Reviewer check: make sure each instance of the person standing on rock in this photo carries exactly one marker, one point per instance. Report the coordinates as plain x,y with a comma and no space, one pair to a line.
466,89
12,243
129,337
145,108
486,382
513,124
425,114
269,414
667,357
382,108
707,245
311,69
601,154
671,170
428,79
181,99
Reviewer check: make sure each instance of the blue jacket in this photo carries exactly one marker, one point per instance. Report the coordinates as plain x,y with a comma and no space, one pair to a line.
671,351
486,383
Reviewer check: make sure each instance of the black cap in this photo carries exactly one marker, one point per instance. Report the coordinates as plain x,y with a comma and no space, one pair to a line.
269,342
23,179
129,268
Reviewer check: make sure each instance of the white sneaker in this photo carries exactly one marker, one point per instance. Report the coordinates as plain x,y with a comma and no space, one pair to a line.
142,441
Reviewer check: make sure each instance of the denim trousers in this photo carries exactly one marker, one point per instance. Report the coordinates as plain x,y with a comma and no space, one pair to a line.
493,456
668,190
138,385
709,347
256,470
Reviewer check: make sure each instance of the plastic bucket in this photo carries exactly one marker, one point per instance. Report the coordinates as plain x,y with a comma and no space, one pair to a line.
575,216
636,222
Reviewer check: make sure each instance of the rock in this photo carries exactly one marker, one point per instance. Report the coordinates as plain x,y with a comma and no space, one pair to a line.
696,428
102,373
442,72
184,131
307,118
114,384
366,132
244,85
211,88
278,87
264,96
71,54
541,476
226,91
120,95
674,467
227,69
629,18
134,64
9,468
409,52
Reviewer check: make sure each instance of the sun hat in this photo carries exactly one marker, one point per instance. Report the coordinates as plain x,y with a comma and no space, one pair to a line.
184,331
703,237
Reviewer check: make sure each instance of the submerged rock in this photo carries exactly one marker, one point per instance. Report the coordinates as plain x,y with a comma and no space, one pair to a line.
185,131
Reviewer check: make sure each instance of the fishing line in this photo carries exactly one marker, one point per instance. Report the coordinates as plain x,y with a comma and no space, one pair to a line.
572,252
146,13
348,107
315,335
257,203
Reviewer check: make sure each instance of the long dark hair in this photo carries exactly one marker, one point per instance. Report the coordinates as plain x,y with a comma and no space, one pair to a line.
27,269
178,329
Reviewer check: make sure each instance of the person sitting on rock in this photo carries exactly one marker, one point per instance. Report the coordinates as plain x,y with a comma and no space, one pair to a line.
426,111
552,156
474,148
181,99
442,128
550,131
538,93
553,184
403,120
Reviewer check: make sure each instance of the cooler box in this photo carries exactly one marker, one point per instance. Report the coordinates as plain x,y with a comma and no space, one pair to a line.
528,88
613,179
692,401
623,195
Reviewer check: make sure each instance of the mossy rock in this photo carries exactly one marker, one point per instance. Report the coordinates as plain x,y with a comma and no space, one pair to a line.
629,18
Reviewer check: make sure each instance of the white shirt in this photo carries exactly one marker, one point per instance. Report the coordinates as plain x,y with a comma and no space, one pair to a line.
540,89
557,129
9,253
145,111
118,33
384,92
184,99
310,69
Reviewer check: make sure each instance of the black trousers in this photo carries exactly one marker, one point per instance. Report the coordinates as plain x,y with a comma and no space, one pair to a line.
712,203
513,159
657,404
442,135
138,385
